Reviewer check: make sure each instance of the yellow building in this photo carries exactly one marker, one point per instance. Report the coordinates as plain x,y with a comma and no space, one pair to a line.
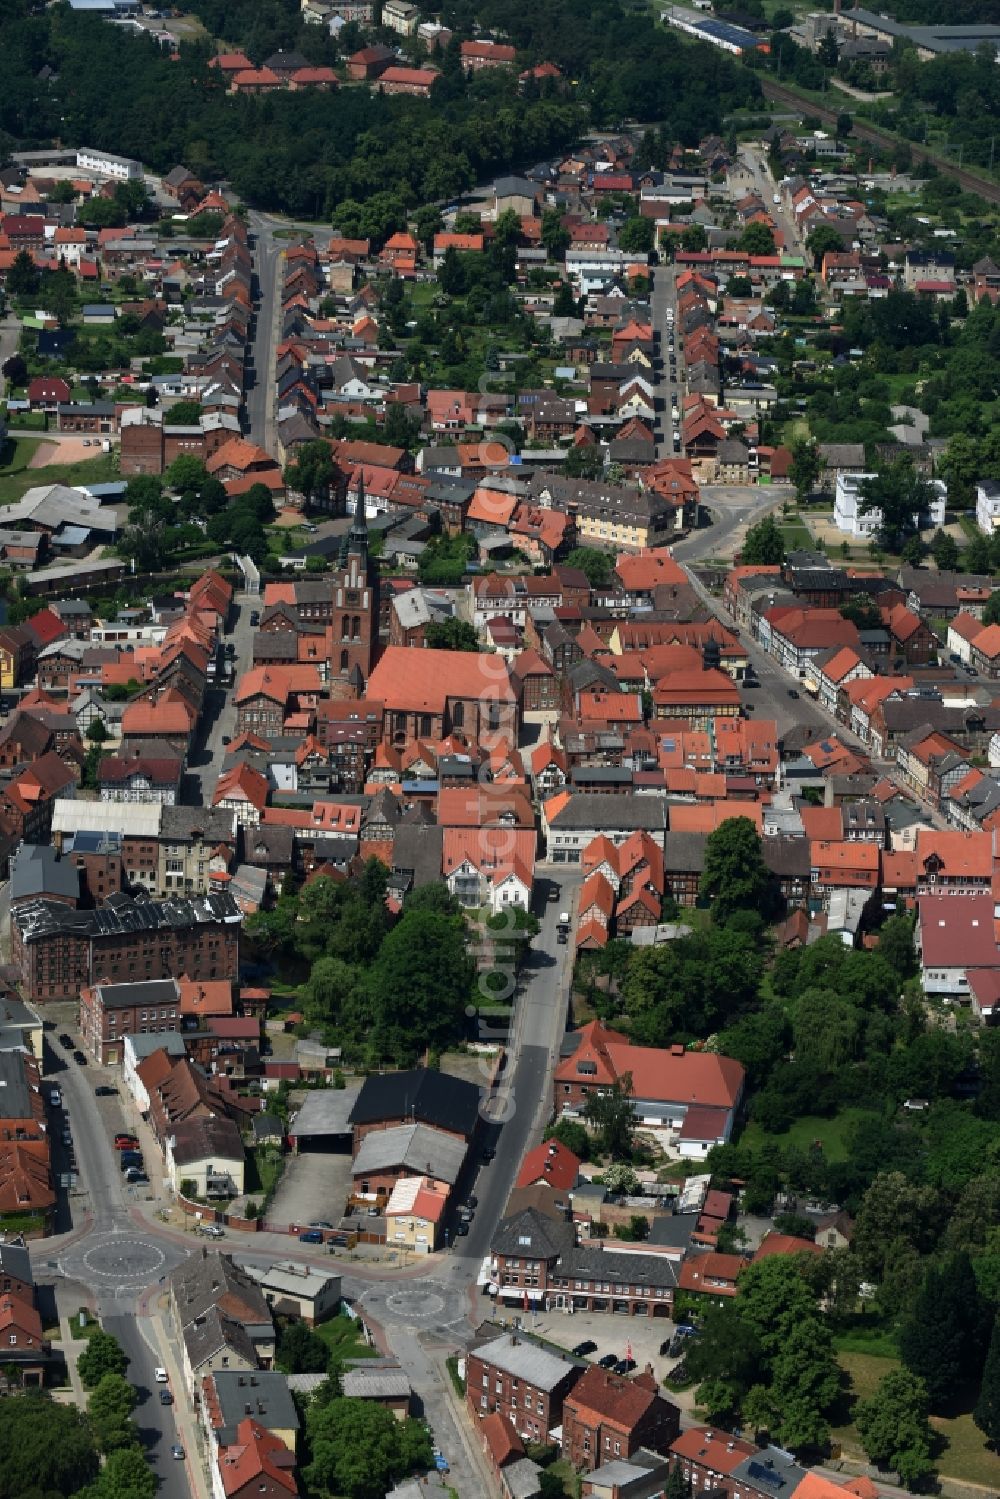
414,1213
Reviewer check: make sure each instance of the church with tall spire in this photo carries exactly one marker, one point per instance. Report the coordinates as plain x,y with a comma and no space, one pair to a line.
356,606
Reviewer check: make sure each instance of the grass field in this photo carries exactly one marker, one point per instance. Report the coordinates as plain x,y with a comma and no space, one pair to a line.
342,1336
16,477
794,533
829,1133
964,1455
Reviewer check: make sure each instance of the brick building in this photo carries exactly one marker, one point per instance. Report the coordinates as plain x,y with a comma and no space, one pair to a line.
57,950
607,1416
525,1383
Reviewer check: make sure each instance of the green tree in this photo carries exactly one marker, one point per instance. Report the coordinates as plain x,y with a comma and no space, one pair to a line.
126,1475
313,470
694,239
726,1359
360,1450
565,302
894,1428
805,468
300,1350
102,1355
555,236
734,876
584,461
184,414
900,495
637,236
987,1409
186,473
763,545
44,1448
991,609
597,566
573,1135
821,240
420,984
611,1114
110,1408
944,550
756,239
23,279
452,634
943,1339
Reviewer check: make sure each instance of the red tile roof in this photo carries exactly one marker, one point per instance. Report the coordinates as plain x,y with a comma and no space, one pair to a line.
552,1163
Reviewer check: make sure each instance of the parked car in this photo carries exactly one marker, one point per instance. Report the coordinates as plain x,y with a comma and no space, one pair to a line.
135,1177
625,1366
79,1059
311,1236
582,1349
489,1153
55,1098
160,1375
462,1228
65,1040
126,1142
177,1451
254,617
105,1090
212,1230
166,1398
608,1361
793,692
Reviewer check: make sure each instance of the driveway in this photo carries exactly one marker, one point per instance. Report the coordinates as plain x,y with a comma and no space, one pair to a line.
313,1187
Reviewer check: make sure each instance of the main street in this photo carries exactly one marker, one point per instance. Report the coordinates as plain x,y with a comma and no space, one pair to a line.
268,257
218,719
666,388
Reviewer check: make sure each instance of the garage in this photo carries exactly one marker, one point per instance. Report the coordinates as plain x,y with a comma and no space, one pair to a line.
322,1126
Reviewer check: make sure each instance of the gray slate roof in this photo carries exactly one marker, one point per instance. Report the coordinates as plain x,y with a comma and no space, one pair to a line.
416,1147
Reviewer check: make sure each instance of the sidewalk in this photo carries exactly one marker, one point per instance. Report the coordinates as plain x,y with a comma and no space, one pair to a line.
72,1347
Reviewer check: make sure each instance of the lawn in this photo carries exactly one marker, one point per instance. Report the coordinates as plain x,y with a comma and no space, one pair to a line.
964,1457
342,1336
16,477
795,533
829,1133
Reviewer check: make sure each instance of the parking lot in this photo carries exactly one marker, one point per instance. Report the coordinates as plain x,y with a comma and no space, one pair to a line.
610,1333
313,1188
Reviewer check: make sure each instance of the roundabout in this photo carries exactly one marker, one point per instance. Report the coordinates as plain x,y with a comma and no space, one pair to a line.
121,1261
421,1306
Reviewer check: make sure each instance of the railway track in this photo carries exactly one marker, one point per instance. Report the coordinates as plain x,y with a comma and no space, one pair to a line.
969,181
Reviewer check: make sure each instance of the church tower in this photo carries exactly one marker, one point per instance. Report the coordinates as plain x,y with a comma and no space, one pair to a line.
355,606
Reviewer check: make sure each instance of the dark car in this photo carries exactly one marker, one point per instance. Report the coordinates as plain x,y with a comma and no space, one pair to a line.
489,1153
131,1159
608,1361
254,617
473,1200
311,1236
582,1349
562,938
793,692
625,1366
665,1348
105,1091
135,1177
65,1040
166,1398
751,682
79,1058
227,739
461,1229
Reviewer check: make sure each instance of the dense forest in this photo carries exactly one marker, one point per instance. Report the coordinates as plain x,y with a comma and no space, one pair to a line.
305,152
